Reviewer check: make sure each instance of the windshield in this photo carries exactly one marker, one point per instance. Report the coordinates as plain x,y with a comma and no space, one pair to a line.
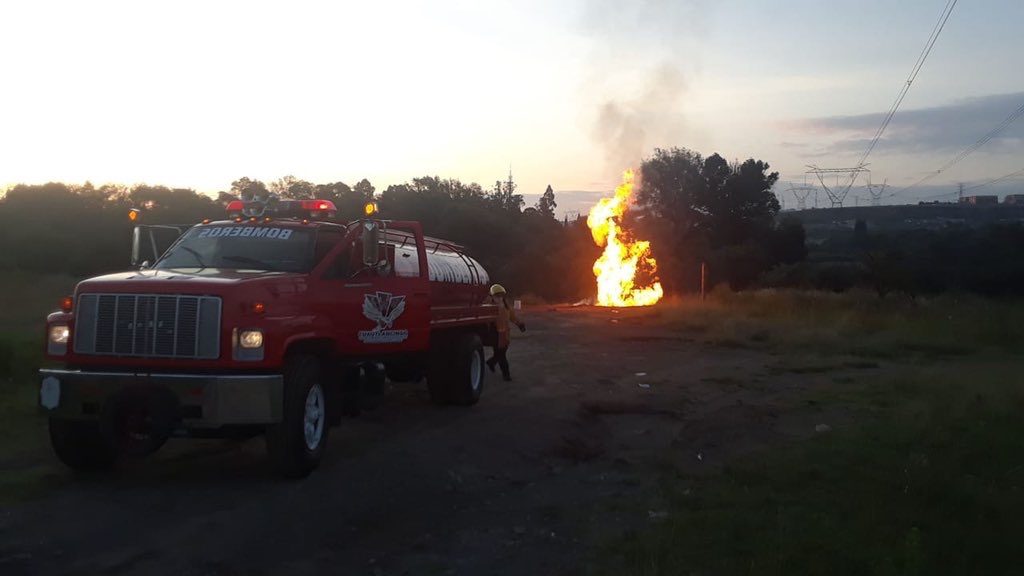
243,247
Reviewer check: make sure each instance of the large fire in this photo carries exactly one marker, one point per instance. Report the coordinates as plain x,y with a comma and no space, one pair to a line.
616,269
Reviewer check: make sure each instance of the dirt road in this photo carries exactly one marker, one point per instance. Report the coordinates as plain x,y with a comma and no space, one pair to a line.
604,406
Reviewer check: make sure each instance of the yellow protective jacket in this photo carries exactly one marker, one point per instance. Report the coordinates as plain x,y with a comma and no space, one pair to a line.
506,316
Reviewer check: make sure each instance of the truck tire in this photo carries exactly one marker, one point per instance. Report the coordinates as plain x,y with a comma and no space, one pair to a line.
81,445
296,445
467,370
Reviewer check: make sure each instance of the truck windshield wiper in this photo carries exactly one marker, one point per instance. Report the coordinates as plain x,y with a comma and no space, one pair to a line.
192,251
246,260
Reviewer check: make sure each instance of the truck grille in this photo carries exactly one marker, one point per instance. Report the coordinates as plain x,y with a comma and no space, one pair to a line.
149,325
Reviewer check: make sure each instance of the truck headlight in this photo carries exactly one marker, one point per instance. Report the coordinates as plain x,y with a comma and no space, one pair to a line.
57,339
250,339
59,334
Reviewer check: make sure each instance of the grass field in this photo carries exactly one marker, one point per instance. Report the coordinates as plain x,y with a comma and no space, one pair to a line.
22,431
928,481
853,323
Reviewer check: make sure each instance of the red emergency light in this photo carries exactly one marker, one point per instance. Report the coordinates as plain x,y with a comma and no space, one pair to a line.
319,208
314,209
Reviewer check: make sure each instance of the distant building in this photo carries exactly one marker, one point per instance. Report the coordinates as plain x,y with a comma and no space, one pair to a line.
980,200
1014,199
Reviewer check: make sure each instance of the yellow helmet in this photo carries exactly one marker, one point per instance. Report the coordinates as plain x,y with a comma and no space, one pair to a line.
497,289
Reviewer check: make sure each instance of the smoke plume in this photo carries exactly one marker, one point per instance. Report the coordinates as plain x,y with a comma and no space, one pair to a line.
644,52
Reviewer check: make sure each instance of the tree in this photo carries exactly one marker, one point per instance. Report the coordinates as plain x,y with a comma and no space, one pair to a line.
704,209
364,189
788,243
291,187
546,205
504,196
173,205
728,204
246,185
738,203
334,191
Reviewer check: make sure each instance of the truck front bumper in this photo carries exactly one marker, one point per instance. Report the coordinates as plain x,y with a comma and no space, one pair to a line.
200,400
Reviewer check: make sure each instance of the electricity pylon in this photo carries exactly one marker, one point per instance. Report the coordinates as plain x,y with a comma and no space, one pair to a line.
801,193
876,191
837,194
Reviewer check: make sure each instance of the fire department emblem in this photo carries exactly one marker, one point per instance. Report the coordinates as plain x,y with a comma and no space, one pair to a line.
383,308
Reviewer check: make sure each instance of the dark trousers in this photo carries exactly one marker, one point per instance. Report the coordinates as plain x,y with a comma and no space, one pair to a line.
501,360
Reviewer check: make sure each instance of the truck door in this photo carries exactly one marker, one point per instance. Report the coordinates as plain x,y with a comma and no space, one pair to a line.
150,241
382,308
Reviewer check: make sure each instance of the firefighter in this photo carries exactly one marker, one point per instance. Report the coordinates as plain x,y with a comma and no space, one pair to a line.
506,315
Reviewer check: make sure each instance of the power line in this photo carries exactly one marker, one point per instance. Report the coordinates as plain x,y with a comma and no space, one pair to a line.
950,4
970,149
1003,178
996,181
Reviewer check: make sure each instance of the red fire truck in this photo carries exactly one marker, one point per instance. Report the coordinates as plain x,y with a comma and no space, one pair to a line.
274,321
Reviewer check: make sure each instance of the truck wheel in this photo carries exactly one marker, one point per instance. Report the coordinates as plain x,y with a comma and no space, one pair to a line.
297,444
81,445
467,370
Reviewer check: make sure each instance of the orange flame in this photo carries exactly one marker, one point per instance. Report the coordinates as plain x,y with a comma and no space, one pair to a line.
616,268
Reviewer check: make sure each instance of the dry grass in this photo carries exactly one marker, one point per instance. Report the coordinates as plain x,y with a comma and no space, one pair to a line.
854,323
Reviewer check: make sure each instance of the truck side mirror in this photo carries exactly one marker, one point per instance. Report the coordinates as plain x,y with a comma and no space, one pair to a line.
136,245
371,240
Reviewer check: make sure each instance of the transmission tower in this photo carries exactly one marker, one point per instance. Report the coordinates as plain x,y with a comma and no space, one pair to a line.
839,192
801,193
876,191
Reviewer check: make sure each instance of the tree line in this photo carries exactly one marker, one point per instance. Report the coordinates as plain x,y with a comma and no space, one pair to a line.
84,230
957,258
693,209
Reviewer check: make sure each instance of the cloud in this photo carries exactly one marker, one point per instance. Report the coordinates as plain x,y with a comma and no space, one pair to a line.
940,129
793,145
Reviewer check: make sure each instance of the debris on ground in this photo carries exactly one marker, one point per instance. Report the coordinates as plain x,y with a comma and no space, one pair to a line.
657,515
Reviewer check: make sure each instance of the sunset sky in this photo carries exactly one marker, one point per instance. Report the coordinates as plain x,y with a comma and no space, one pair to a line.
567,93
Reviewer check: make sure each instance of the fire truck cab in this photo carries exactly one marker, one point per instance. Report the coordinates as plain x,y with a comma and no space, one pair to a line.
273,321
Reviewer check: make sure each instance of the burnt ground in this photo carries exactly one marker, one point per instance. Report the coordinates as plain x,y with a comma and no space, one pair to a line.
605,408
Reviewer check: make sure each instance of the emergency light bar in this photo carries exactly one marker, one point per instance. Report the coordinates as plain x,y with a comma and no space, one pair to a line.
313,209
